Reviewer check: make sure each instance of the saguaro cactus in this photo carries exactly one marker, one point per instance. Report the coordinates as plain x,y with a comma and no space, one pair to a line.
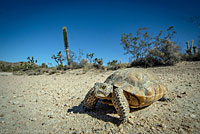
189,48
66,44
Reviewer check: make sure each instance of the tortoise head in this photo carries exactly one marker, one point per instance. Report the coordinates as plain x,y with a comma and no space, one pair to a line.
103,90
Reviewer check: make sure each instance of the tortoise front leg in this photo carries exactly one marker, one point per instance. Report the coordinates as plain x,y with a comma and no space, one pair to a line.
121,104
90,100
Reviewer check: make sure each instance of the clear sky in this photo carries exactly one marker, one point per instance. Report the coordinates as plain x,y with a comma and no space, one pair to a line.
34,27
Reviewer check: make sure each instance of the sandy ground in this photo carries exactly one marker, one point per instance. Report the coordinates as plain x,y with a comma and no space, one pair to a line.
52,104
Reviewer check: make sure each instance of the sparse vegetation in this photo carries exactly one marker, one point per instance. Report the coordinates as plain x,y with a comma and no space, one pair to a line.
150,51
146,50
114,65
90,56
58,59
191,52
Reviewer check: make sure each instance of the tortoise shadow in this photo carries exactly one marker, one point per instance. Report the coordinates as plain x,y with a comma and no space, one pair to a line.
101,112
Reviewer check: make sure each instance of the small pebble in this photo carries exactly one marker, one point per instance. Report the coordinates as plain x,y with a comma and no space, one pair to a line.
1,115
193,115
21,105
183,92
77,132
16,103
50,116
162,125
178,96
32,119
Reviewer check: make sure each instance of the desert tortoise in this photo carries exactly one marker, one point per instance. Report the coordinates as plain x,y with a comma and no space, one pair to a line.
132,87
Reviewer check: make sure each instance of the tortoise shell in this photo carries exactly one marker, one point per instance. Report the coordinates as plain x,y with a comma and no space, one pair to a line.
140,87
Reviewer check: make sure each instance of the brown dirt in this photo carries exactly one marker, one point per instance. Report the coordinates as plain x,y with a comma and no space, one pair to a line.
52,104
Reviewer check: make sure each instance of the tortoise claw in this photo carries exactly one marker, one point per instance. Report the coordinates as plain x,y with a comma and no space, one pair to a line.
124,121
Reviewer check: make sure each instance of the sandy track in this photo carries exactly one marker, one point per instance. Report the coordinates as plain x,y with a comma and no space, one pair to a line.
52,104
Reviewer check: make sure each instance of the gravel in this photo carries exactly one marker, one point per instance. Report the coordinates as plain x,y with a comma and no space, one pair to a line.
52,104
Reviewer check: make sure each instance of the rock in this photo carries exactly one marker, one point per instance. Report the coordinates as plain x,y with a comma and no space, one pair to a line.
77,132
2,122
178,96
50,116
1,115
161,125
183,92
193,115
32,119
21,105
15,103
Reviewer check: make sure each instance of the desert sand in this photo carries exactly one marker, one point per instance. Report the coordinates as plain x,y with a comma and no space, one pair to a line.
52,104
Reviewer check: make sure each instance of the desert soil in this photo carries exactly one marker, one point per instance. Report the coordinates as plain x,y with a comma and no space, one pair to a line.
52,104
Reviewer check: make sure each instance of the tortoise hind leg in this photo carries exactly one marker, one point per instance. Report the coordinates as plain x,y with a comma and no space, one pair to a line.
121,104
90,100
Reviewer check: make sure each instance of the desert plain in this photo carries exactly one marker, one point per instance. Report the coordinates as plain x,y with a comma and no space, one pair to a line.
52,104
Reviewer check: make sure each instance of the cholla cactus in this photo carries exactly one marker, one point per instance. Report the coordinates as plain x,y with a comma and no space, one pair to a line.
90,56
58,58
98,61
31,62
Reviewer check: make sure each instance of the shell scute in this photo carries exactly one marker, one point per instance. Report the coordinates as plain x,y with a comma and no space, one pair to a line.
141,88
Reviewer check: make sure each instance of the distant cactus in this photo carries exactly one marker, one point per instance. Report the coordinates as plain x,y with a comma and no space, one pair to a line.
66,44
190,48
195,50
31,62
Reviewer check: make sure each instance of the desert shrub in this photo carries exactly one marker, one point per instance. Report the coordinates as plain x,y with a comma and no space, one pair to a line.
6,68
114,65
87,67
98,63
167,54
74,65
60,67
52,71
149,61
17,68
83,63
148,51
44,65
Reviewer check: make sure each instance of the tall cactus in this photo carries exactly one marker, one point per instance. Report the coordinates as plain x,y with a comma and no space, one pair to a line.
189,49
66,44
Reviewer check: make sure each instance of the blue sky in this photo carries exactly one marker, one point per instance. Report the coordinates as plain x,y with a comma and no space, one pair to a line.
34,27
